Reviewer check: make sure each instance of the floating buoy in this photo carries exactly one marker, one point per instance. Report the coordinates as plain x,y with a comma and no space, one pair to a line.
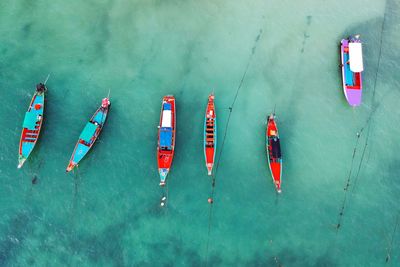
210,200
163,200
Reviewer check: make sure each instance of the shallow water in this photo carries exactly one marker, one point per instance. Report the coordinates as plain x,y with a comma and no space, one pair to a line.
257,57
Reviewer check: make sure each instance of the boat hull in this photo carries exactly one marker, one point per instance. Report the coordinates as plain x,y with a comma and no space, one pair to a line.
351,81
273,152
31,128
89,136
210,134
166,137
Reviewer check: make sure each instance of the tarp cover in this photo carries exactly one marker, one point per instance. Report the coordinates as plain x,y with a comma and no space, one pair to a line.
88,132
167,106
166,137
356,59
166,119
30,120
276,148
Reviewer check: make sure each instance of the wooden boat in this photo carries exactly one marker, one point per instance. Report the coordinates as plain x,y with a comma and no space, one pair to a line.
166,137
352,66
32,124
89,134
274,151
210,134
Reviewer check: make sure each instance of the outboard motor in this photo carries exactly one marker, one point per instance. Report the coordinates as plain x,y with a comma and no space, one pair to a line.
40,88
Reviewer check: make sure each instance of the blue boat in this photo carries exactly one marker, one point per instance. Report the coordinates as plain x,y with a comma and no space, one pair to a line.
32,124
89,134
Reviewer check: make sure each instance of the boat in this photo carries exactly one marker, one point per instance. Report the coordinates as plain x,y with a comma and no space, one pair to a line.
166,137
32,124
352,66
210,134
274,151
89,134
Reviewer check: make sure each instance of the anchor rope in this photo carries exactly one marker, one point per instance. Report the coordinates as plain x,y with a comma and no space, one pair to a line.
367,124
380,53
389,253
347,184
224,138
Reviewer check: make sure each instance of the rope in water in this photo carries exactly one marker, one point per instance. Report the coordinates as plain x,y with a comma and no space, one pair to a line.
223,141
76,186
347,184
389,253
368,125
380,54
165,197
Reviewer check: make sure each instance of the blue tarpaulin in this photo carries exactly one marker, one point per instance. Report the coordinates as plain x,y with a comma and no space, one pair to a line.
348,73
166,137
167,106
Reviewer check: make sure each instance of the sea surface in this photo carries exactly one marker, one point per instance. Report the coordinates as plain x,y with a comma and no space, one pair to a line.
339,204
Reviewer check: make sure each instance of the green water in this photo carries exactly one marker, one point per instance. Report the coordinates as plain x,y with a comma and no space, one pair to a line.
256,55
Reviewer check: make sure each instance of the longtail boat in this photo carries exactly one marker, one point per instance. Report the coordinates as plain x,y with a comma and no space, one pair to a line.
352,66
89,134
166,137
210,134
274,151
32,124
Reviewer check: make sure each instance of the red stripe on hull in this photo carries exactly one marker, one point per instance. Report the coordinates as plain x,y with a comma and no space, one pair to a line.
26,132
165,157
275,164
210,133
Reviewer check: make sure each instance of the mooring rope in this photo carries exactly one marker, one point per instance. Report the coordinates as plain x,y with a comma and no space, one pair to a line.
367,124
380,53
77,179
223,141
389,253
346,187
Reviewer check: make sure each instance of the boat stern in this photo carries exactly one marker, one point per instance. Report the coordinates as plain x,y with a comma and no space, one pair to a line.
70,167
21,161
354,97
278,187
163,175
209,168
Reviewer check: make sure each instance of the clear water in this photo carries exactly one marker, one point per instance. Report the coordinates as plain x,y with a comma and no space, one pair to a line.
257,56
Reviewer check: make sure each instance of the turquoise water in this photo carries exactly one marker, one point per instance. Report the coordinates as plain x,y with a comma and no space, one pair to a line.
257,56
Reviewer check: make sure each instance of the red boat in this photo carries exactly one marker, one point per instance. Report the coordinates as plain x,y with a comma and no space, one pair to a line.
274,151
166,137
210,134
